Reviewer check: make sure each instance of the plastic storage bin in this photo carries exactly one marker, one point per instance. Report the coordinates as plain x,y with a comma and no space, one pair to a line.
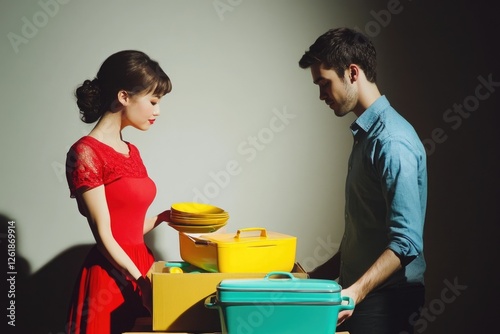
243,252
278,305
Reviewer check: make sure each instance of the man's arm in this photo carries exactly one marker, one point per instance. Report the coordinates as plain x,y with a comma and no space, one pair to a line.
384,266
328,270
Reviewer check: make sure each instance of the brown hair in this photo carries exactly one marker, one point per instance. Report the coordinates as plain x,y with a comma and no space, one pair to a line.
129,70
338,48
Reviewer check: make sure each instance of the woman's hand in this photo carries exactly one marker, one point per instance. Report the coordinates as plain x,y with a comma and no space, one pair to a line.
164,216
151,223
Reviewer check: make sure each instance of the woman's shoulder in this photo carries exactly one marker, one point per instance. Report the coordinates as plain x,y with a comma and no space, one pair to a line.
90,147
85,141
84,148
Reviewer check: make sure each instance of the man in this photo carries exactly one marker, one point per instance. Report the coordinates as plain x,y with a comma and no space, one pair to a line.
380,263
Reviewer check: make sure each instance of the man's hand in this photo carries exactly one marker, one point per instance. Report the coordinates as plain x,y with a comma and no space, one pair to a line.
346,314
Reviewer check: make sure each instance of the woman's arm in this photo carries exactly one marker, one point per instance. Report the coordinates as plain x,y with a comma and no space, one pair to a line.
100,223
152,222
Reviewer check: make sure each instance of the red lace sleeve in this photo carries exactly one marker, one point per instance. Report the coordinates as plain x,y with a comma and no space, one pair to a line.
83,168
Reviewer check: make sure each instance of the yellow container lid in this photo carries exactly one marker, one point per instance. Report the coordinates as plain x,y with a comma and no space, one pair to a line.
244,239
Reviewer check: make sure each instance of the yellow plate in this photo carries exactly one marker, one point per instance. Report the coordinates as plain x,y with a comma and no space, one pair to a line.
196,208
198,222
196,228
174,214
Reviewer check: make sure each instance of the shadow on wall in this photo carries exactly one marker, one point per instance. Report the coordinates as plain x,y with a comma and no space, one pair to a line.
40,299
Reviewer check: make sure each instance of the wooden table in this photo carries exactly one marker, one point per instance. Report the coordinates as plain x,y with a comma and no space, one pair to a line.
143,326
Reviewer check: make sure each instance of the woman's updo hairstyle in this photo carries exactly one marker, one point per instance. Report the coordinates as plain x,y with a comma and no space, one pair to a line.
129,70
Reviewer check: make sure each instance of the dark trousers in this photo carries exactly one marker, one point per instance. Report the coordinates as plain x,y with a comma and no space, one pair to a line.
386,311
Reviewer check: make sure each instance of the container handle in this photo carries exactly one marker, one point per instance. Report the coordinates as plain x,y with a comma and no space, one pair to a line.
280,273
350,303
211,302
263,232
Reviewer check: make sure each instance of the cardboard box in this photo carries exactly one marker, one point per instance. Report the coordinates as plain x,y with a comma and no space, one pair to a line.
179,299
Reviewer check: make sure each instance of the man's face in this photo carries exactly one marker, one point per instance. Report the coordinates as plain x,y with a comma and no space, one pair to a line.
340,94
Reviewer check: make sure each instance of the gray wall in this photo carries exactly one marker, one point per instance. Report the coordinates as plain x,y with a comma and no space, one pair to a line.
233,64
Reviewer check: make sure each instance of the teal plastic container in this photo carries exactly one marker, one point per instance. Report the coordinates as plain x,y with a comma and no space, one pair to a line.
280,305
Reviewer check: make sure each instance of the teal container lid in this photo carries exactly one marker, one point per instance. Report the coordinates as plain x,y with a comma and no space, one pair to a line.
279,290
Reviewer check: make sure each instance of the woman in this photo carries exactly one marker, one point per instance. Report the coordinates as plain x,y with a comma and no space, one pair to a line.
113,191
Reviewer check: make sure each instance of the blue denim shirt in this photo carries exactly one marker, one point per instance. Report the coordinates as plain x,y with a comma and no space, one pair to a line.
386,196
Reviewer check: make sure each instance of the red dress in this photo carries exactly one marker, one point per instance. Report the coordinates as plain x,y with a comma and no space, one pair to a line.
105,300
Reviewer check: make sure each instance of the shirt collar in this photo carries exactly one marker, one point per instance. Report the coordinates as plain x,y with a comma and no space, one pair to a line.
370,115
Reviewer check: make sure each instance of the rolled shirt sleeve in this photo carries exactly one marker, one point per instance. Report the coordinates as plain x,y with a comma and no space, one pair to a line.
402,172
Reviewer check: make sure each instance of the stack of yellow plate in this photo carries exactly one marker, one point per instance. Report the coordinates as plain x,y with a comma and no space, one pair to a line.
192,217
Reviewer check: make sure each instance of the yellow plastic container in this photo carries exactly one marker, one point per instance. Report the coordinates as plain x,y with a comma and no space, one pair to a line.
243,252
